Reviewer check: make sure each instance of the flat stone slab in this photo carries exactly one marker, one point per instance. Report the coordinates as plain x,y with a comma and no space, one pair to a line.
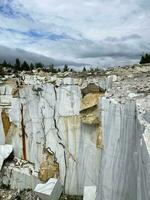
5,151
89,193
51,190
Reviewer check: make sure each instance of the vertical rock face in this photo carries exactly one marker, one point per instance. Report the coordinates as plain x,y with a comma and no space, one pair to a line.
125,165
143,128
72,129
55,127
118,175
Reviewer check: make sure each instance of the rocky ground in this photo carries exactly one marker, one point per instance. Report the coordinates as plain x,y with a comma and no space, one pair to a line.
7,194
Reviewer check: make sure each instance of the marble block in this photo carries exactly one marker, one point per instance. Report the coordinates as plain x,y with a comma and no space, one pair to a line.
51,190
89,193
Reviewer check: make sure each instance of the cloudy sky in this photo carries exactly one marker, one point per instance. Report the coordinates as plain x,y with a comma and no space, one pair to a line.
98,32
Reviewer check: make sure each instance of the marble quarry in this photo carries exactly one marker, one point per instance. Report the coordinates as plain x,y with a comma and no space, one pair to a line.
91,131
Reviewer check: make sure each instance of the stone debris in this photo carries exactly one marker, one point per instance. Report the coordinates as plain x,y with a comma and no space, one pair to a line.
19,174
51,190
89,193
9,194
5,151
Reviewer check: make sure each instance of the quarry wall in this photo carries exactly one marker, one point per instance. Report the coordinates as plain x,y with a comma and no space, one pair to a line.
84,131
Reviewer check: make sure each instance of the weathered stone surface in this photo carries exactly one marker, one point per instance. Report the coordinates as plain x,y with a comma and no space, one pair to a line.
89,108
90,116
99,141
15,92
6,122
49,168
91,88
90,100
2,134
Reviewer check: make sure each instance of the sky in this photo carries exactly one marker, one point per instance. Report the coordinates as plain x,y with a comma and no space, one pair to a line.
96,32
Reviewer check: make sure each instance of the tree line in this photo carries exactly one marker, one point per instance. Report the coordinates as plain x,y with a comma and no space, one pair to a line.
25,66
145,59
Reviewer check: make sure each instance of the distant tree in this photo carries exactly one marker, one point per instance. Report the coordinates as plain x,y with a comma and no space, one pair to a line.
145,59
96,69
4,64
66,68
31,66
1,70
142,60
58,70
71,70
91,70
52,69
39,65
84,69
25,66
9,65
17,64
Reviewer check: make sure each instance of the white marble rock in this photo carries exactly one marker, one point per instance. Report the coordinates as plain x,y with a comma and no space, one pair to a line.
19,175
5,151
51,190
89,193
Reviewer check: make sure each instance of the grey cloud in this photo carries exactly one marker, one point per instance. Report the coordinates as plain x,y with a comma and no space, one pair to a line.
116,54
145,4
131,37
117,49
123,38
10,55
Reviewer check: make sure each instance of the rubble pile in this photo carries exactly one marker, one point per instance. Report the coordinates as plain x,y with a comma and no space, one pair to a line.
9,194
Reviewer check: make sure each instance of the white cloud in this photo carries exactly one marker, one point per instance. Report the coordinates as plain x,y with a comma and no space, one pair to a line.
89,24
